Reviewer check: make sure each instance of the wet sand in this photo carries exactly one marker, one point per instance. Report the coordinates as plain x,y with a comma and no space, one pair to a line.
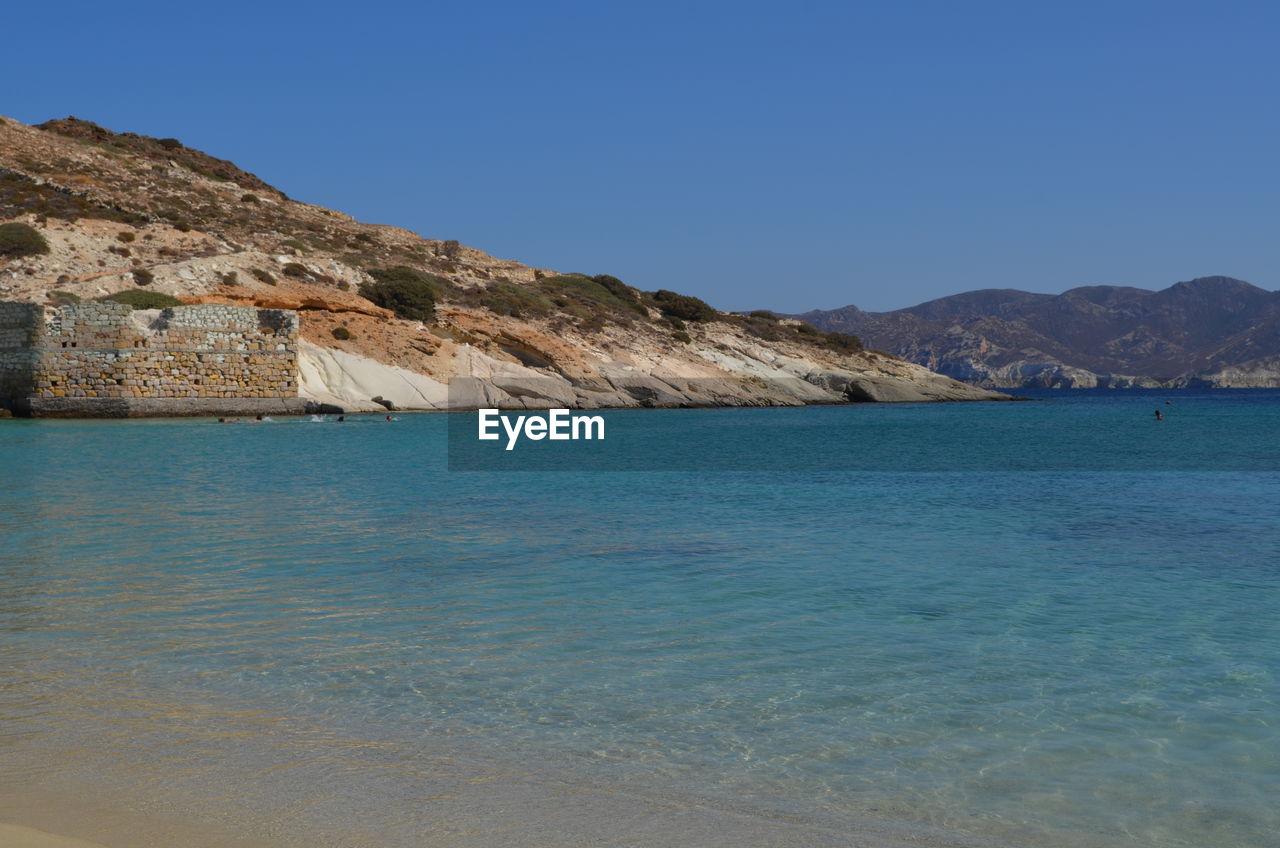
485,816
17,836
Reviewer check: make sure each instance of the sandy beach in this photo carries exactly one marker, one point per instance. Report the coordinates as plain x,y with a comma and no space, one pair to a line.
17,836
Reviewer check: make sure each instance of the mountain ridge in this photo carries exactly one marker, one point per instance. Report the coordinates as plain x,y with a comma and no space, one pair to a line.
1210,331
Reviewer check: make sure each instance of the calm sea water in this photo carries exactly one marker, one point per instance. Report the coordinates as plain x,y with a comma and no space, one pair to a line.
1044,624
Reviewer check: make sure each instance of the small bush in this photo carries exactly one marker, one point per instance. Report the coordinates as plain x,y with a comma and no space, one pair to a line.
126,236
262,276
407,292
684,306
249,198
449,249
846,342
63,298
21,240
143,277
504,297
589,293
676,323
169,143
229,278
295,244
341,333
296,269
617,288
682,337
763,314
143,299
182,226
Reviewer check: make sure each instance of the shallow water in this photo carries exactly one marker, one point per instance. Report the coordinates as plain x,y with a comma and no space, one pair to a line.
1061,645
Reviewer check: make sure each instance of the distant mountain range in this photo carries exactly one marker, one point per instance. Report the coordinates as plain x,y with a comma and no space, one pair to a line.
1211,331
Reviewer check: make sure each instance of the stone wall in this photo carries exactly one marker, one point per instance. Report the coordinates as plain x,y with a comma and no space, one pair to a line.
106,359
18,325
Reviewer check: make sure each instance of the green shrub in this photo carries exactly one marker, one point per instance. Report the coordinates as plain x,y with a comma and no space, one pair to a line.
507,298
676,323
262,276
341,333
21,240
622,291
143,277
143,299
63,298
296,269
587,292
684,306
407,292
763,314
295,244
682,337
449,249
403,274
846,342
169,143
125,236
248,198
229,278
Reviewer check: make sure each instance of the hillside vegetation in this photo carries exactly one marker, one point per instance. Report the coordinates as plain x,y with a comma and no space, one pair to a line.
92,213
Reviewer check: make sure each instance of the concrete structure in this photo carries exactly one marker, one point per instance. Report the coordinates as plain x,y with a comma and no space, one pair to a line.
104,359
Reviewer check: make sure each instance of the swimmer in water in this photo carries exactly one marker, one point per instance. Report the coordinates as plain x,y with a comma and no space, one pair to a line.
389,418
342,418
1159,415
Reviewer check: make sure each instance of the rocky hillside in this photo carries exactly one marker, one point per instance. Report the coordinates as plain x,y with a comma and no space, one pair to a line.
1212,331
87,213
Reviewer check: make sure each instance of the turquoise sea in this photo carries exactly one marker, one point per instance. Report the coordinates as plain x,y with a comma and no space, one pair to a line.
1045,624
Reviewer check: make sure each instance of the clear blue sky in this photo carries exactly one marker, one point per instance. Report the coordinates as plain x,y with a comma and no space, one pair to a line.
784,155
